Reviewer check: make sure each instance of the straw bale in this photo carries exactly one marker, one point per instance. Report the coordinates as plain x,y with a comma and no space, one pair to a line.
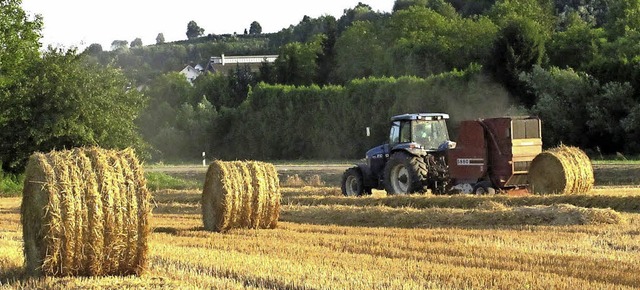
84,212
561,170
240,194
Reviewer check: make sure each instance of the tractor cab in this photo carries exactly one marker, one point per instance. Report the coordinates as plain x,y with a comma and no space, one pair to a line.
419,132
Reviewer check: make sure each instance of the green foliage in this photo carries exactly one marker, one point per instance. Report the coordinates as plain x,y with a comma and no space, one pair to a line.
442,7
159,180
623,18
426,42
241,79
312,122
193,30
136,42
593,12
11,184
577,45
19,36
520,46
361,12
540,12
119,45
215,87
255,28
93,107
178,123
580,111
325,59
359,52
618,60
160,38
296,63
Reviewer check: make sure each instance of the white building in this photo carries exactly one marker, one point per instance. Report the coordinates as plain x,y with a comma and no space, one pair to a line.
191,73
224,63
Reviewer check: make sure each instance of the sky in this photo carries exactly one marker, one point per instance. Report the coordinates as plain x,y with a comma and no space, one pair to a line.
79,23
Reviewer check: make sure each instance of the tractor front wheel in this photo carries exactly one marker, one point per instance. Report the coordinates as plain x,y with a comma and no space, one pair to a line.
404,174
353,183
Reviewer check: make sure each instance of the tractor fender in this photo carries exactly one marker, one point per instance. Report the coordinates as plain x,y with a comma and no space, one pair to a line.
368,179
410,148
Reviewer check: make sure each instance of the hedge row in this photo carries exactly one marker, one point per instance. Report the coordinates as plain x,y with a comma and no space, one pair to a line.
286,122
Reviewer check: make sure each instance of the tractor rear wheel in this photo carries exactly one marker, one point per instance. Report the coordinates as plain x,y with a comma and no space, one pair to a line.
353,183
404,174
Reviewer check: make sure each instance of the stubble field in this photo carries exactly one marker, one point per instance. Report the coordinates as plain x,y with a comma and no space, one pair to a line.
326,241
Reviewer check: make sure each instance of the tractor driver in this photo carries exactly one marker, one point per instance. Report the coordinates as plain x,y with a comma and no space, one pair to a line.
425,134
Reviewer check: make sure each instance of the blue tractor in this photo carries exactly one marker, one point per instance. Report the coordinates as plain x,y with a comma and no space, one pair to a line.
413,160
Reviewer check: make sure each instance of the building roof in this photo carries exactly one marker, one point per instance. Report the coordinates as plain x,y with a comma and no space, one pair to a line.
241,59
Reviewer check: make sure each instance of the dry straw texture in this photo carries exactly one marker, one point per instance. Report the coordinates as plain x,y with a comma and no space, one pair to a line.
85,212
489,214
561,170
240,194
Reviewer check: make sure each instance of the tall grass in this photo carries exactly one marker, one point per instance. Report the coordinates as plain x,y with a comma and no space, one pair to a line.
10,184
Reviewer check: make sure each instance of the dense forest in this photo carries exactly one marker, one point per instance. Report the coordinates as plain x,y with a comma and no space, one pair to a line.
573,63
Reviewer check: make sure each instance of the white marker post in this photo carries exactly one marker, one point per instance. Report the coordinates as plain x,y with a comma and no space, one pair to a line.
368,132
204,161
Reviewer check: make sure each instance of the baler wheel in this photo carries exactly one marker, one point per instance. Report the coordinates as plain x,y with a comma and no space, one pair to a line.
483,188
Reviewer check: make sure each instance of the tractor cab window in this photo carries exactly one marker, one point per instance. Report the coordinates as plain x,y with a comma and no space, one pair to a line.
430,134
405,132
394,135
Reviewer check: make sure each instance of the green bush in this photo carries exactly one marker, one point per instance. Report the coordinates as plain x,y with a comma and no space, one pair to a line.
10,184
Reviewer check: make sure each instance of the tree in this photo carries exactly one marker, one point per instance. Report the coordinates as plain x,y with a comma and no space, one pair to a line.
361,12
193,30
296,63
19,38
68,102
359,52
425,42
93,49
255,28
326,58
136,42
441,6
160,38
241,79
119,44
577,45
520,46
623,17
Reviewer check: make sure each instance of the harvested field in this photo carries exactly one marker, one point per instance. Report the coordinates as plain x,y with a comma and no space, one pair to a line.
459,242
500,216
615,199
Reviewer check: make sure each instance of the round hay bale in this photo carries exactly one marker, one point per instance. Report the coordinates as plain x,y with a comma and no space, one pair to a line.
240,194
561,170
85,212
